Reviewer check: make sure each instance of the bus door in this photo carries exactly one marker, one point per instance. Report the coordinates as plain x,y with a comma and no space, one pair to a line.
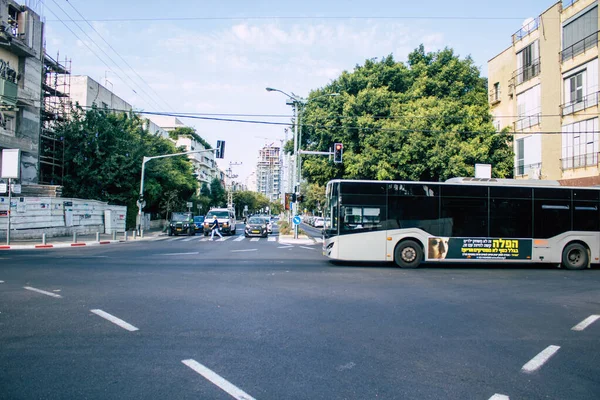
362,234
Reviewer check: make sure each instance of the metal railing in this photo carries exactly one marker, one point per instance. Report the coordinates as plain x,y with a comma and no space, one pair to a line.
579,161
527,121
494,96
521,170
527,72
579,47
526,30
568,3
577,105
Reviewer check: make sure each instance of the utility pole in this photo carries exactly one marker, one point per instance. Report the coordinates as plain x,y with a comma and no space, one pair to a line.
230,175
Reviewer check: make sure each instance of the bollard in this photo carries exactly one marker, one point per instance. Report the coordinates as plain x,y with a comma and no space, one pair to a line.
134,234
114,235
97,236
44,239
141,234
74,237
125,235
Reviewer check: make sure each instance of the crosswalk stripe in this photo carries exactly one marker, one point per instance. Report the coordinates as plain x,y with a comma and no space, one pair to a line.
254,239
188,239
319,240
239,238
272,239
171,239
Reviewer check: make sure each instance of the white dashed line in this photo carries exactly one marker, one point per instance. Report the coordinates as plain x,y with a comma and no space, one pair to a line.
222,383
585,323
538,361
241,251
180,254
42,292
499,397
239,239
115,320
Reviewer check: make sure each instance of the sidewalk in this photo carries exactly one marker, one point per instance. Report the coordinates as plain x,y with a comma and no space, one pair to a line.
81,240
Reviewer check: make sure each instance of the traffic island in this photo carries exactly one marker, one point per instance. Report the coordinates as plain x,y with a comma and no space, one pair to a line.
289,239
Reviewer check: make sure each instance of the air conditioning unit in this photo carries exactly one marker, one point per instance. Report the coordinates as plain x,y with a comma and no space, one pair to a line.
535,173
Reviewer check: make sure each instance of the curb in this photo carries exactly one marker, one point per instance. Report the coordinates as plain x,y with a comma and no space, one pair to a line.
68,245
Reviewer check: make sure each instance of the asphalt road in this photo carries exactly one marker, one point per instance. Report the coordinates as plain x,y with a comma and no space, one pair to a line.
263,320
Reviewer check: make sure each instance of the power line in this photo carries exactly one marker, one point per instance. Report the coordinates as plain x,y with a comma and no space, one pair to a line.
117,53
338,127
93,52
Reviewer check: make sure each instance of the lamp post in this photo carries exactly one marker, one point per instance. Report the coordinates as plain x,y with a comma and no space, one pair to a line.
297,103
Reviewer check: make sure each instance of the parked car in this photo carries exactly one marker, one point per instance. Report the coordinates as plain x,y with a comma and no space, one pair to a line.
199,222
318,222
256,226
226,219
181,223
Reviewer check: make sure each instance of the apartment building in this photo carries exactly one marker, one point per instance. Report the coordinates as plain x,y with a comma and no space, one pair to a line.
204,164
544,87
21,55
268,172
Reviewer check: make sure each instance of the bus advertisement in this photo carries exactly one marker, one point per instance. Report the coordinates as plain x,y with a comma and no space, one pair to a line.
462,220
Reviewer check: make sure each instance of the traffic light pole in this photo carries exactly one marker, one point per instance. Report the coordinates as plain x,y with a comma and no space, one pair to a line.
141,203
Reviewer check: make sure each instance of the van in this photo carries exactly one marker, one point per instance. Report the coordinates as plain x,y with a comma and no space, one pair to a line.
226,220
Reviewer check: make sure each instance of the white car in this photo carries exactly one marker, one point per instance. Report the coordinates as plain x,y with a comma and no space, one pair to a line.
319,222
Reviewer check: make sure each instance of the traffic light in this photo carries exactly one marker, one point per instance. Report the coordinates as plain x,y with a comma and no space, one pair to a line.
338,150
294,197
220,153
300,198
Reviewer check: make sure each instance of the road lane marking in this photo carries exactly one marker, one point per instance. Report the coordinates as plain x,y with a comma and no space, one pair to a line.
171,239
285,247
241,251
585,323
272,239
188,239
239,239
499,397
115,320
1,281
536,362
254,239
217,380
42,292
309,248
319,240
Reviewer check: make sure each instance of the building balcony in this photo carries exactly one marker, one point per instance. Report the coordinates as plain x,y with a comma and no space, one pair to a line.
8,93
494,96
528,169
579,47
581,104
528,121
527,72
579,161
526,30
568,3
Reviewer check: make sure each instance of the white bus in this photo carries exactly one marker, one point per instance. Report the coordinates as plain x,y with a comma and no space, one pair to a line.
462,220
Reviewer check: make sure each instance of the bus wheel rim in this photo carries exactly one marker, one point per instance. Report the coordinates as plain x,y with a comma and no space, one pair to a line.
409,254
574,256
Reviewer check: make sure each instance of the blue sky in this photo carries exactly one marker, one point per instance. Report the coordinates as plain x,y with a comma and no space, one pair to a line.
222,61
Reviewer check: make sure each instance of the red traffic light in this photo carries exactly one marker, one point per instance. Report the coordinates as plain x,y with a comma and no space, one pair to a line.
339,146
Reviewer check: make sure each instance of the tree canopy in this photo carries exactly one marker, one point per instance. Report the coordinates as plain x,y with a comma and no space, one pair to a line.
103,161
427,119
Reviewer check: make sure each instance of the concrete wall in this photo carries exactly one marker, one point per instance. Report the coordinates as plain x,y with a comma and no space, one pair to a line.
56,216
87,92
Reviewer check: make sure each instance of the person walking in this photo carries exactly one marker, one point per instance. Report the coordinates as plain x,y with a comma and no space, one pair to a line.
215,228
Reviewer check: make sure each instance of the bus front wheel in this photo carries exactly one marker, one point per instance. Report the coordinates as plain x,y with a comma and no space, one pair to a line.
408,254
575,256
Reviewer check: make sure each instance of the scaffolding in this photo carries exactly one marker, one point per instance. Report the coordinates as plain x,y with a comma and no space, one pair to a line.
56,105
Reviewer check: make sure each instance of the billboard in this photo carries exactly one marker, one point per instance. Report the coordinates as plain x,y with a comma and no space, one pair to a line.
464,248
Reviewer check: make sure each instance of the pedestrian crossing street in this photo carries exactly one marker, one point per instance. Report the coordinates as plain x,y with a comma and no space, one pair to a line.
238,238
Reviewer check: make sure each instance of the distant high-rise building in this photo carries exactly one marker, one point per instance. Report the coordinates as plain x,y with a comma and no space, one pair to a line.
268,172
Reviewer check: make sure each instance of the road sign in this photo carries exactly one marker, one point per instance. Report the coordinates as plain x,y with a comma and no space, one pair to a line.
296,220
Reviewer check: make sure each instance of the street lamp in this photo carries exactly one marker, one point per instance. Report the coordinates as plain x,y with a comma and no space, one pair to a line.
297,102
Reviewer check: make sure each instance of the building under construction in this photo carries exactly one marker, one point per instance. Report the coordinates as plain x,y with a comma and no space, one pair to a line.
56,106
268,172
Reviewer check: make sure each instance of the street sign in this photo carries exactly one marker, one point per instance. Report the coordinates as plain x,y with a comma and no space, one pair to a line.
296,220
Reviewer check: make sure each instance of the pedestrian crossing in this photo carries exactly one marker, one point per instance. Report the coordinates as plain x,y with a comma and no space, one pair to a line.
238,238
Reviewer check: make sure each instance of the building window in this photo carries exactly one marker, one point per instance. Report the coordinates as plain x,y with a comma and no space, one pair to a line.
520,161
528,63
580,144
497,125
581,88
528,108
528,154
580,34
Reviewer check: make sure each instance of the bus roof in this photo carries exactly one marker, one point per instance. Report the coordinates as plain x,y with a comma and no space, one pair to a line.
483,182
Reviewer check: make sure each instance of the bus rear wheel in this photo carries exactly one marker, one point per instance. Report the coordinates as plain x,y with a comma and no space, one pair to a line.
575,256
408,254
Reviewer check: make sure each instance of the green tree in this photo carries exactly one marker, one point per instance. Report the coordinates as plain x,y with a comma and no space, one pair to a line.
427,119
103,159
218,197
